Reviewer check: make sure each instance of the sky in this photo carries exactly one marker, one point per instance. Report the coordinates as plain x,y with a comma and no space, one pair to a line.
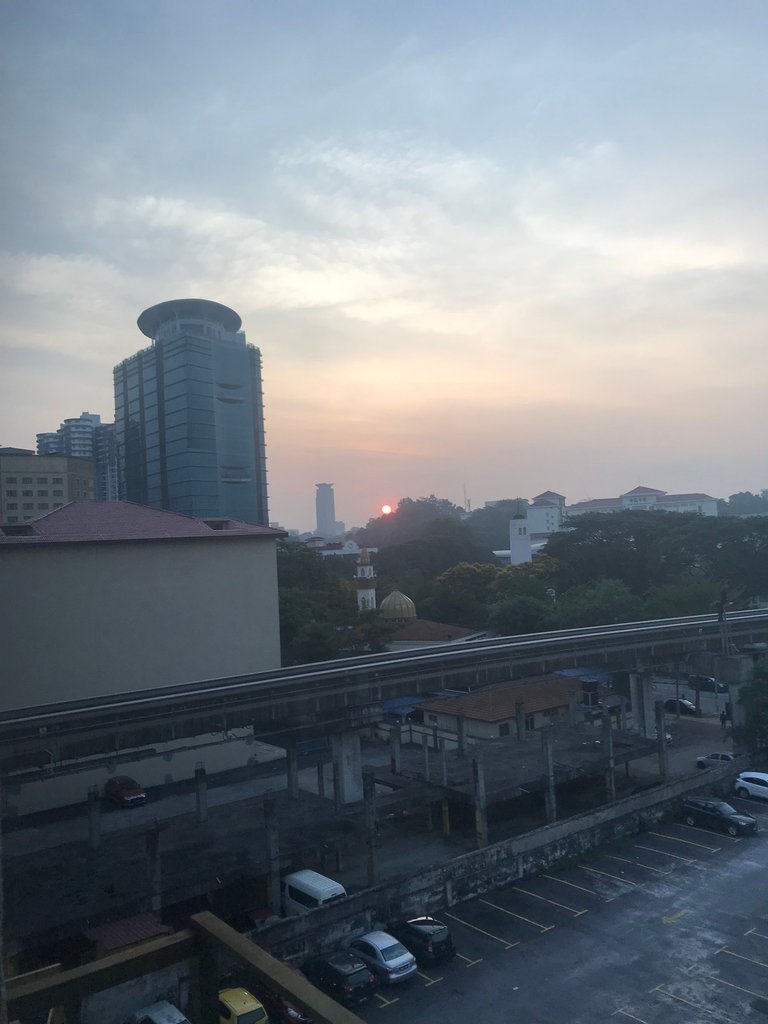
486,249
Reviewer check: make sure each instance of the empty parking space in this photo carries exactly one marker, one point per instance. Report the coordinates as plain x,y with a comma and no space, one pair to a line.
629,890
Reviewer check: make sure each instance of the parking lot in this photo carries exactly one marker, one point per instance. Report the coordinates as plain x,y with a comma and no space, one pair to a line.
669,927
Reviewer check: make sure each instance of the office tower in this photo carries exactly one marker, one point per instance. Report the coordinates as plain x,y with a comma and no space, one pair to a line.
86,437
325,510
189,415
32,485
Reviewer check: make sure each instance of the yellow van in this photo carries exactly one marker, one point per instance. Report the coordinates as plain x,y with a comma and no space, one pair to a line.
239,1006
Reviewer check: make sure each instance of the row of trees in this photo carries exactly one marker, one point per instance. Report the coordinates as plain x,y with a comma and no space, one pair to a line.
614,567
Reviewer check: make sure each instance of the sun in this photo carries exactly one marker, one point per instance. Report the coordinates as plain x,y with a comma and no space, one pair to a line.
386,510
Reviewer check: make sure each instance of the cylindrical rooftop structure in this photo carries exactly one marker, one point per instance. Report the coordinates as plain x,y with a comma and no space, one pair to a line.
195,309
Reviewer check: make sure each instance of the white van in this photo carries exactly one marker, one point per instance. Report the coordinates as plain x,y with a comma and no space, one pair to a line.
306,890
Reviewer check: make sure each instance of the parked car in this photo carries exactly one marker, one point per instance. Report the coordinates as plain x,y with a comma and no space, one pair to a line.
279,1009
123,790
752,784
707,684
719,815
388,958
158,1013
427,938
343,977
712,760
239,1006
687,707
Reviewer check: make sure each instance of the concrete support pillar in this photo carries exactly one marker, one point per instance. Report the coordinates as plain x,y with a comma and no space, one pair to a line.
369,813
550,801
622,713
395,750
347,768
641,695
443,764
154,869
445,808
610,765
321,780
430,819
481,809
435,739
201,793
661,738
425,752
461,734
573,711
272,834
94,817
520,720
292,770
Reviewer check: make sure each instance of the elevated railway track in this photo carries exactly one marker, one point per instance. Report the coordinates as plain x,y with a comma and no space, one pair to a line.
338,691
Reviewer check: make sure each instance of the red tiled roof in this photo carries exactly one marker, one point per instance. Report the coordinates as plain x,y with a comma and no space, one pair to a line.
497,703
91,521
437,632
685,497
596,503
130,930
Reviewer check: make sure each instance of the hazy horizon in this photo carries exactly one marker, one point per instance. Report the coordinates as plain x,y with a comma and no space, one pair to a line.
510,248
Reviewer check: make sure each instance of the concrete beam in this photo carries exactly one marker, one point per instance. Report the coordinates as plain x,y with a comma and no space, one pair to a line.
280,978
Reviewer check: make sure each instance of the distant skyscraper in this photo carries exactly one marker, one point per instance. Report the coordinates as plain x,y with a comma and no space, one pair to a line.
86,437
189,415
325,509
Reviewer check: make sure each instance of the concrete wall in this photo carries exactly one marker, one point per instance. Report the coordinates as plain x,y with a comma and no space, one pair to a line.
115,1005
478,872
166,763
83,620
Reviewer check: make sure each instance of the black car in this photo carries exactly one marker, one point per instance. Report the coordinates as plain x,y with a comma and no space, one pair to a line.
686,706
343,977
427,938
718,814
707,684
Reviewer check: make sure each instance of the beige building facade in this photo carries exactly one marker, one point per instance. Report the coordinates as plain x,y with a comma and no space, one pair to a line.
31,485
102,598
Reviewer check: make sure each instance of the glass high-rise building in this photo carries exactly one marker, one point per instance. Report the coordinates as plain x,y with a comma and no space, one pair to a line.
189,415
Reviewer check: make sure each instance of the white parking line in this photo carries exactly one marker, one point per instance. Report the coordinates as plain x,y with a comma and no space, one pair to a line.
663,853
607,874
543,927
701,1009
688,842
639,864
546,899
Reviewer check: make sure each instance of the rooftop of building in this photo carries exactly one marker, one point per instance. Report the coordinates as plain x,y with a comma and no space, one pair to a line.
195,309
498,703
431,632
80,522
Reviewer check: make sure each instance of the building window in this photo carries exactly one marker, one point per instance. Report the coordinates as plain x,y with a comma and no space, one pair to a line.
504,729
11,494
12,504
57,480
431,718
57,504
42,494
26,479
42,504
13,519
11,480
58,494
26,494
27,505
42,479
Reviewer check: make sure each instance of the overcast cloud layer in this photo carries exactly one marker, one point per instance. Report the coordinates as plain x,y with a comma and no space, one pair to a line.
511,246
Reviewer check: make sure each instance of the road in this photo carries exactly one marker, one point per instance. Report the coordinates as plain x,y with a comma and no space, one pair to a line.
669,927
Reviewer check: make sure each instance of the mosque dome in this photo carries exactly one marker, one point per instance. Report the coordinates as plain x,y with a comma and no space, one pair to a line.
397,606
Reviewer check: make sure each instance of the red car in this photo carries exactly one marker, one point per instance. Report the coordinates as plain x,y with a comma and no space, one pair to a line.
124,790
279,1009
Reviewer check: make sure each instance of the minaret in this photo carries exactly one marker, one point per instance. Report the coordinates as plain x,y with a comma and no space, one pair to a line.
366,583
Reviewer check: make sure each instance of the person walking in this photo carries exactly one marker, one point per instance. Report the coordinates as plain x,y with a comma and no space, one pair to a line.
723,720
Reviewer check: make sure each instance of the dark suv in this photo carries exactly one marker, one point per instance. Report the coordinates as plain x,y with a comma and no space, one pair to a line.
718,814
343,977
427,938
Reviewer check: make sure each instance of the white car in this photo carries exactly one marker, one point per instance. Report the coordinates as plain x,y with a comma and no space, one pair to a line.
389,960
713,760
751,784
